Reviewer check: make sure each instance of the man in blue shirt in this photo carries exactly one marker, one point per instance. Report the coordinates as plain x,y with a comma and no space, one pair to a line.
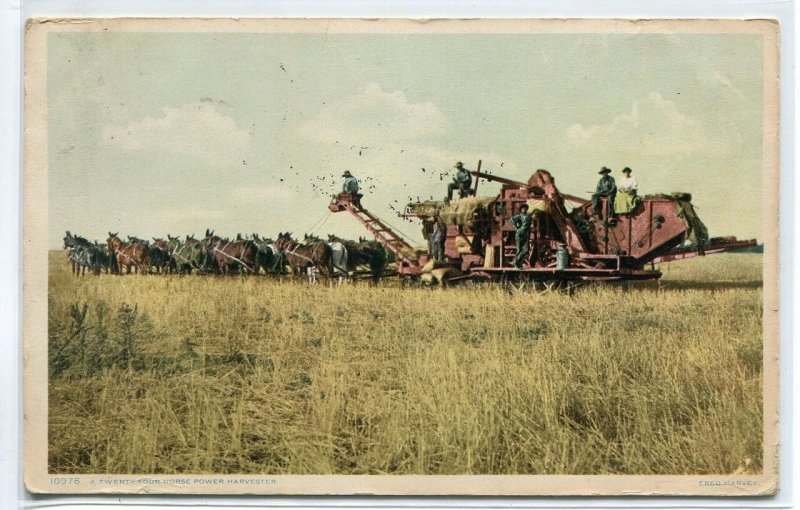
606,187
351,187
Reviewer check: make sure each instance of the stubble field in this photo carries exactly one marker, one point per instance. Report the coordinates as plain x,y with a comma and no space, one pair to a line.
257,375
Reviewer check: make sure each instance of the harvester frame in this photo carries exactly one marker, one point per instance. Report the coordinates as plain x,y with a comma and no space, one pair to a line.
603,247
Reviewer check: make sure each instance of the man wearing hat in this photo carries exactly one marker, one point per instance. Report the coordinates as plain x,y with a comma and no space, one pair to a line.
606,187
626,200
351,187
461,182
522,222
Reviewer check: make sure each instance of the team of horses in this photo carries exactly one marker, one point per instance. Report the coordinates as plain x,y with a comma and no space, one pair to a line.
335,258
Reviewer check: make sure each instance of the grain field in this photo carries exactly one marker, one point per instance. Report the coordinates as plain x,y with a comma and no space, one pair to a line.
254,375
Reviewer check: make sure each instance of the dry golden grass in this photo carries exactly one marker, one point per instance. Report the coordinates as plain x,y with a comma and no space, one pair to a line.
256,375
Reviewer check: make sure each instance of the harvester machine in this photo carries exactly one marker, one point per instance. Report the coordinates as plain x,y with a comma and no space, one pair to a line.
565,244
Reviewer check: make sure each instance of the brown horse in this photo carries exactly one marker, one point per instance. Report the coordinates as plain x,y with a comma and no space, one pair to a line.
128,254
305,257
230,255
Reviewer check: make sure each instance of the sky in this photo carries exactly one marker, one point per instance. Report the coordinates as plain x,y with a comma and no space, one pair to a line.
171,133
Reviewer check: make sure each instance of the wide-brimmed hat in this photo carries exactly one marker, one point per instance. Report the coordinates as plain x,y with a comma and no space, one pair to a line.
604,170
626,170
347,174
524,206
459,165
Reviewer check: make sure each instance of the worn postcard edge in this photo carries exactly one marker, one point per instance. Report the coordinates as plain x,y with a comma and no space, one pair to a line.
35,226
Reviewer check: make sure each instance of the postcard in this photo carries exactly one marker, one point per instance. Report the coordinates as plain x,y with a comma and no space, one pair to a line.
401,256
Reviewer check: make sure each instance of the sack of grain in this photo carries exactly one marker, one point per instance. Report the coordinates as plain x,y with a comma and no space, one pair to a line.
436,264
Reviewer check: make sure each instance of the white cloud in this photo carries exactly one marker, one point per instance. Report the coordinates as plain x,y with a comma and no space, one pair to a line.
381,135
195,129
654,127
375,117
386,141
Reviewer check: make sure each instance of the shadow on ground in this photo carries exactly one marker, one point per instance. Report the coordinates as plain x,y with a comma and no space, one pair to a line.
696,285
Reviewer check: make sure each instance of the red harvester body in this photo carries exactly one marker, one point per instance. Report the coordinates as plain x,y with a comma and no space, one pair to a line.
603,248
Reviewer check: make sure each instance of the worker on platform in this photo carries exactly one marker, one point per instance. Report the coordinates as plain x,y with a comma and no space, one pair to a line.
350,187
437,238
626,200
606,187
461,182
522,222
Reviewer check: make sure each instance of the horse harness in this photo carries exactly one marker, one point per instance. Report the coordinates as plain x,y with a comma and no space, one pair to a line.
314,252
80,255
231,256
178,252
121,251
298,245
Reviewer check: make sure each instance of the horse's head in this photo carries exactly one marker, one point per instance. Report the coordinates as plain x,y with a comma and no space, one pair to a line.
209,241
283,239
172,242
113,241
68,240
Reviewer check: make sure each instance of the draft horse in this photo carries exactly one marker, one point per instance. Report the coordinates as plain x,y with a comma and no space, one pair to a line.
81,254
159,255
230,255
306,257
363,253
185,256
270,257
128,255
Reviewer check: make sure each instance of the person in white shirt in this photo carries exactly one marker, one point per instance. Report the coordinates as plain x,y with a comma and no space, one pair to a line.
627,187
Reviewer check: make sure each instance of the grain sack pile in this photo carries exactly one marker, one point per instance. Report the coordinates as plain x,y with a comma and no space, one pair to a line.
437,264
460,212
